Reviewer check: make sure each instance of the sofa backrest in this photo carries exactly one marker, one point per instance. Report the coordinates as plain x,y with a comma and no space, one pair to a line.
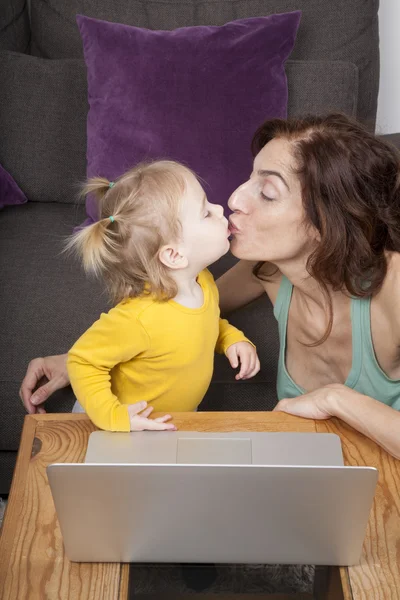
342,30
44,140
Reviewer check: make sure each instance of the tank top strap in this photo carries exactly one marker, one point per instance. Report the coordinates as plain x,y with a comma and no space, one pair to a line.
363,306
283,298
361,328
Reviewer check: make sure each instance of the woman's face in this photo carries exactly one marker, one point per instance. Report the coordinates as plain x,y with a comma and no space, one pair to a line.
268,220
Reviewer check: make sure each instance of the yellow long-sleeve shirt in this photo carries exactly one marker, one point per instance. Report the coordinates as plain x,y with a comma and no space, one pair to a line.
161,352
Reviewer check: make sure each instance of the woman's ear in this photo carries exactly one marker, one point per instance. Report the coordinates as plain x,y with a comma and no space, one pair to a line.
171,257
313,233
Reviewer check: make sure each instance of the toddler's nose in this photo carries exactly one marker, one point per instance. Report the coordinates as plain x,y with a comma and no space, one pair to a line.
220,210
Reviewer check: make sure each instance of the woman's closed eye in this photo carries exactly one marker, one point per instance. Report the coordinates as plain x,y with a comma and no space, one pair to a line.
264,197
268,192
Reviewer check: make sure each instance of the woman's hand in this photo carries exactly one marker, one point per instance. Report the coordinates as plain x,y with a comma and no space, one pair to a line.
51,368
247,355
379,422
139,417
319,404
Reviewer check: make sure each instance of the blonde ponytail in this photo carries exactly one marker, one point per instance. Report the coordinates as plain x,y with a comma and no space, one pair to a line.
98,187
95,244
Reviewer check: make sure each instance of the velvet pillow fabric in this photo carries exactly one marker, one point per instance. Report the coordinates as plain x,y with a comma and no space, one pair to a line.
195,95
10,194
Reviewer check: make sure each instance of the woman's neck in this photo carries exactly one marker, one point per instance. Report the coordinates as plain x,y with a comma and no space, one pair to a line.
308,288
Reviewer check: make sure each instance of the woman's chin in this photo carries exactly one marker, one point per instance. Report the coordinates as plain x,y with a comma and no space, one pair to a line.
235,247
239,250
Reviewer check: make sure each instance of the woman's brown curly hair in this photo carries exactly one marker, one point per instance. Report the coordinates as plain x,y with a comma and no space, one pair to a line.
350,181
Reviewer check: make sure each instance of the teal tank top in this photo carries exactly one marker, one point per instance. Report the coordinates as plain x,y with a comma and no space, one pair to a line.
365,375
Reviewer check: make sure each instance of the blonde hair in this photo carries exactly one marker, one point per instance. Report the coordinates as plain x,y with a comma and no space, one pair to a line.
144,205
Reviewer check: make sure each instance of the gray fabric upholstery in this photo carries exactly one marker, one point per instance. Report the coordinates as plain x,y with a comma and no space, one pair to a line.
46,300
43,142
335,30
47,156
317,87
7,464
14,25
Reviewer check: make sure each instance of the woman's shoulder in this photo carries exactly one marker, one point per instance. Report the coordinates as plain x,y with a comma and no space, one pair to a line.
391,284
389,295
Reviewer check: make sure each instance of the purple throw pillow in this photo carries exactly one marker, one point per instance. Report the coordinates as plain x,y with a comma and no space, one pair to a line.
10,194
195,95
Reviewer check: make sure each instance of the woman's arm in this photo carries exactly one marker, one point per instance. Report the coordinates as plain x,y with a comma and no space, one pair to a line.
376,420
238,286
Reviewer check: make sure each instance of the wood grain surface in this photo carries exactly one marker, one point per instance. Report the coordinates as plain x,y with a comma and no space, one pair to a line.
32,560
377,577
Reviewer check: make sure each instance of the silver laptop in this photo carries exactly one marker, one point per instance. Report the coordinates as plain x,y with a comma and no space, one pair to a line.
213,497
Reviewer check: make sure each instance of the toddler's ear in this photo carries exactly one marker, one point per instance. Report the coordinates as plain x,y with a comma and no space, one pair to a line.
171,257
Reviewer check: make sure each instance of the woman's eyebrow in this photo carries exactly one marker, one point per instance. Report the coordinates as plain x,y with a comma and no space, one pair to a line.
265,172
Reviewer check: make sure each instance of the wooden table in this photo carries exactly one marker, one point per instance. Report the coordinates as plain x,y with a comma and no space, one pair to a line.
32,560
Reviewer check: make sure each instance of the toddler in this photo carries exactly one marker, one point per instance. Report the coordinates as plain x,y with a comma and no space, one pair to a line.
155,237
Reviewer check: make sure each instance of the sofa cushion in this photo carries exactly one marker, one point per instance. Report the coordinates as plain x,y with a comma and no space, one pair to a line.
335,30
183,95
10,194
47,156
14,25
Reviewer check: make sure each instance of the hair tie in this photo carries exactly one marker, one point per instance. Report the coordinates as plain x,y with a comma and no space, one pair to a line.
111,219
111,184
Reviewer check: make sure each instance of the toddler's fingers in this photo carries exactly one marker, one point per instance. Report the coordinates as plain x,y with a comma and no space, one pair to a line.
147,412
232,356
254,366
252,373
244,367
163,419
154,425
136,407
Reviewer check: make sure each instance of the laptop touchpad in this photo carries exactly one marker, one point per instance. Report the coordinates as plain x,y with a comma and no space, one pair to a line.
214,451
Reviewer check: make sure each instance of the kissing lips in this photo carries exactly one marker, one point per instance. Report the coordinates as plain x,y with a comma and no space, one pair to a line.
232,227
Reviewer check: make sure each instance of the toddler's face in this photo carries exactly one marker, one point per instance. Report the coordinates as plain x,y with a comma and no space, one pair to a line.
204,227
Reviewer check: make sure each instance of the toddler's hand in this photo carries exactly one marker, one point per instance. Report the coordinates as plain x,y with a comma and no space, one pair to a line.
139,418
247,355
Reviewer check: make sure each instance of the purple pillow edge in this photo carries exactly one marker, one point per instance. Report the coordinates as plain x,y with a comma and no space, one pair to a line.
15,191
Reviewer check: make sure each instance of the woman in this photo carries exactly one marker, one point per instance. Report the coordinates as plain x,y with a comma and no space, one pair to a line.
317,228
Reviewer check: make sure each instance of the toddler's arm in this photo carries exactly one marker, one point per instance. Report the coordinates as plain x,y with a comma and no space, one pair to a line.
234,344
237,348
228,335
116,337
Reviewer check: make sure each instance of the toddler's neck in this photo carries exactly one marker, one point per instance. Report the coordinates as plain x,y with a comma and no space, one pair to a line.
190,292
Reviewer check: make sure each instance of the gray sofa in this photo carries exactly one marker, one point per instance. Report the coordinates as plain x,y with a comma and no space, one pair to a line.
46,301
